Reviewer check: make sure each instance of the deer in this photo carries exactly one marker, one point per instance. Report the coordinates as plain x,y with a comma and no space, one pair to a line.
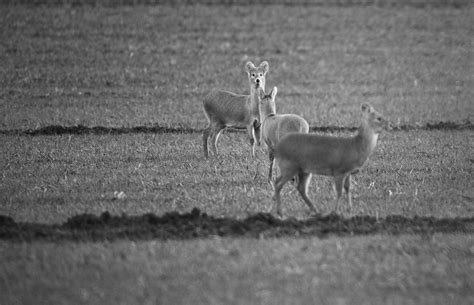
340,157
275,126
224,109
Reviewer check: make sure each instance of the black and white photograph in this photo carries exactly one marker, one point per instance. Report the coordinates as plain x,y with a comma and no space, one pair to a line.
209,152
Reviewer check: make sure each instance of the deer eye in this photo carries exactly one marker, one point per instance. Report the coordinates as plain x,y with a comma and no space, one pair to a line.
253,74
260,74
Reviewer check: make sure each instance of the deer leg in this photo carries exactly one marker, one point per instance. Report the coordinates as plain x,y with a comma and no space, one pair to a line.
215,133
338,181
270,170
285,176
205,137
347,188
302,187
257,131
251,133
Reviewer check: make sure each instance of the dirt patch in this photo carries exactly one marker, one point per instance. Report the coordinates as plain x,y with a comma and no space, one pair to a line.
97,130
195,224
101,130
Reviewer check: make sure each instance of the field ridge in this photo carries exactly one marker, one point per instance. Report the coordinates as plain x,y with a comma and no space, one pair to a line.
196,224
99,130
322,3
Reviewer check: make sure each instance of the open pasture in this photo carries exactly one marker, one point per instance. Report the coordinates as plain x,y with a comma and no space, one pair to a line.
139,65
50,178
144,70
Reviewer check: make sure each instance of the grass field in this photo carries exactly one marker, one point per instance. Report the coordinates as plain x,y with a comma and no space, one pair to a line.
144,70
355,270
130,66
50,178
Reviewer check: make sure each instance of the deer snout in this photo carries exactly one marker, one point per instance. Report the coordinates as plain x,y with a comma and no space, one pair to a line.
257,83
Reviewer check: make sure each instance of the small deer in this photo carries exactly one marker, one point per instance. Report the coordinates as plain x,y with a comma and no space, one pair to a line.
275,126
306,154
226,109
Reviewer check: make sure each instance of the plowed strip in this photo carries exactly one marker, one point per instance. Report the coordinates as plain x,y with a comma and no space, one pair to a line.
196,224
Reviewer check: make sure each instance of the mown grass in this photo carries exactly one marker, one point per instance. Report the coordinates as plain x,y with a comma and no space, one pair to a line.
129,66
357,270
50,178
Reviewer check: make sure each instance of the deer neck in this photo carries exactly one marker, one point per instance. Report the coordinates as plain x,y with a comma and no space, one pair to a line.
254,104
366,140
268,109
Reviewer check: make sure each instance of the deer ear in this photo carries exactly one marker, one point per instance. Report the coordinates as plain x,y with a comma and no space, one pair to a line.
274,91
249,66
264,66
261,93
366,108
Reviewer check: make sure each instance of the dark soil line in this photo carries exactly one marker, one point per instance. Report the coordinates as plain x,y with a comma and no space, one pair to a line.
195,224
101,130
96,130
322,3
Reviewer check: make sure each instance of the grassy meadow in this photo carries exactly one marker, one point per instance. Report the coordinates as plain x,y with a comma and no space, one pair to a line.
149,66
354,270
139,65
50,178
